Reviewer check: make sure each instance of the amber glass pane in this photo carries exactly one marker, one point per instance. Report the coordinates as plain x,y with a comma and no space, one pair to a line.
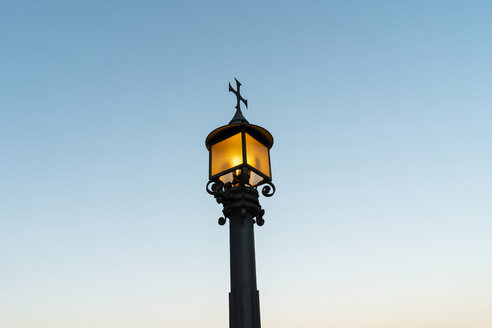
226,177
254,179
230,177
257,155
226,154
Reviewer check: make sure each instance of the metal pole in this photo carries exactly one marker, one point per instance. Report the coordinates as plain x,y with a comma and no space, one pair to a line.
242,207
244,303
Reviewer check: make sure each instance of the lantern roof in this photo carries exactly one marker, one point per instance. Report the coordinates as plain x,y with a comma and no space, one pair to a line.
239,118
259,133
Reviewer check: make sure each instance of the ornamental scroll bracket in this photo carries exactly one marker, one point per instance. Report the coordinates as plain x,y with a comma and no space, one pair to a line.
240,198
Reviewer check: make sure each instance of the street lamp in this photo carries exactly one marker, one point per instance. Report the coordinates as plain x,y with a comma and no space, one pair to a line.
239,163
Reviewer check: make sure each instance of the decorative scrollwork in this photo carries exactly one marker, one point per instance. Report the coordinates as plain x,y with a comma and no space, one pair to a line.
268,190
240,200
215,187
259,218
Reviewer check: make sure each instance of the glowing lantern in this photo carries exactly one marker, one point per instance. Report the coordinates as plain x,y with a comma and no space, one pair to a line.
240,153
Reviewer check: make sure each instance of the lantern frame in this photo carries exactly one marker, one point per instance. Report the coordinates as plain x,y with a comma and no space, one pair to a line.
257,132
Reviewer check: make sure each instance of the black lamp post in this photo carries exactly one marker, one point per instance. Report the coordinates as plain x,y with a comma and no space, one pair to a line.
239,164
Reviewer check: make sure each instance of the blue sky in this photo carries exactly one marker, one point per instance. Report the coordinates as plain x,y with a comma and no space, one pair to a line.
381,113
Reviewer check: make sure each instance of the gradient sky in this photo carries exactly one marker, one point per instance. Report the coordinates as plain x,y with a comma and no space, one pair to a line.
381,113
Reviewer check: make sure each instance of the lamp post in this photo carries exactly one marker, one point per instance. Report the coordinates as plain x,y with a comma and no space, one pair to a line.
240,164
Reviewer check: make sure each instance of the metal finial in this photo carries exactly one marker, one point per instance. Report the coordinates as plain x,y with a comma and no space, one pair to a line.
238,94
238,117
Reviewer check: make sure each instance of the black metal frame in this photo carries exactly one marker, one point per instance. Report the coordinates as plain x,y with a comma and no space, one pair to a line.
224,136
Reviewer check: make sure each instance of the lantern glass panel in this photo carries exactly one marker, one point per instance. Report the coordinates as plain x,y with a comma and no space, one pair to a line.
254,179
228,177
257,155
226,154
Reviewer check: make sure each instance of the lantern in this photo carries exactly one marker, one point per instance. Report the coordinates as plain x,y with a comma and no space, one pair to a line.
240,153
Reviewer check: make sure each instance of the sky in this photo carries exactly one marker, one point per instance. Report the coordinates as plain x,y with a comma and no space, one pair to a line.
381,113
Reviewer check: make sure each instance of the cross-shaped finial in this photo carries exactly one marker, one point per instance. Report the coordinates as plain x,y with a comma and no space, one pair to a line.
238,95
